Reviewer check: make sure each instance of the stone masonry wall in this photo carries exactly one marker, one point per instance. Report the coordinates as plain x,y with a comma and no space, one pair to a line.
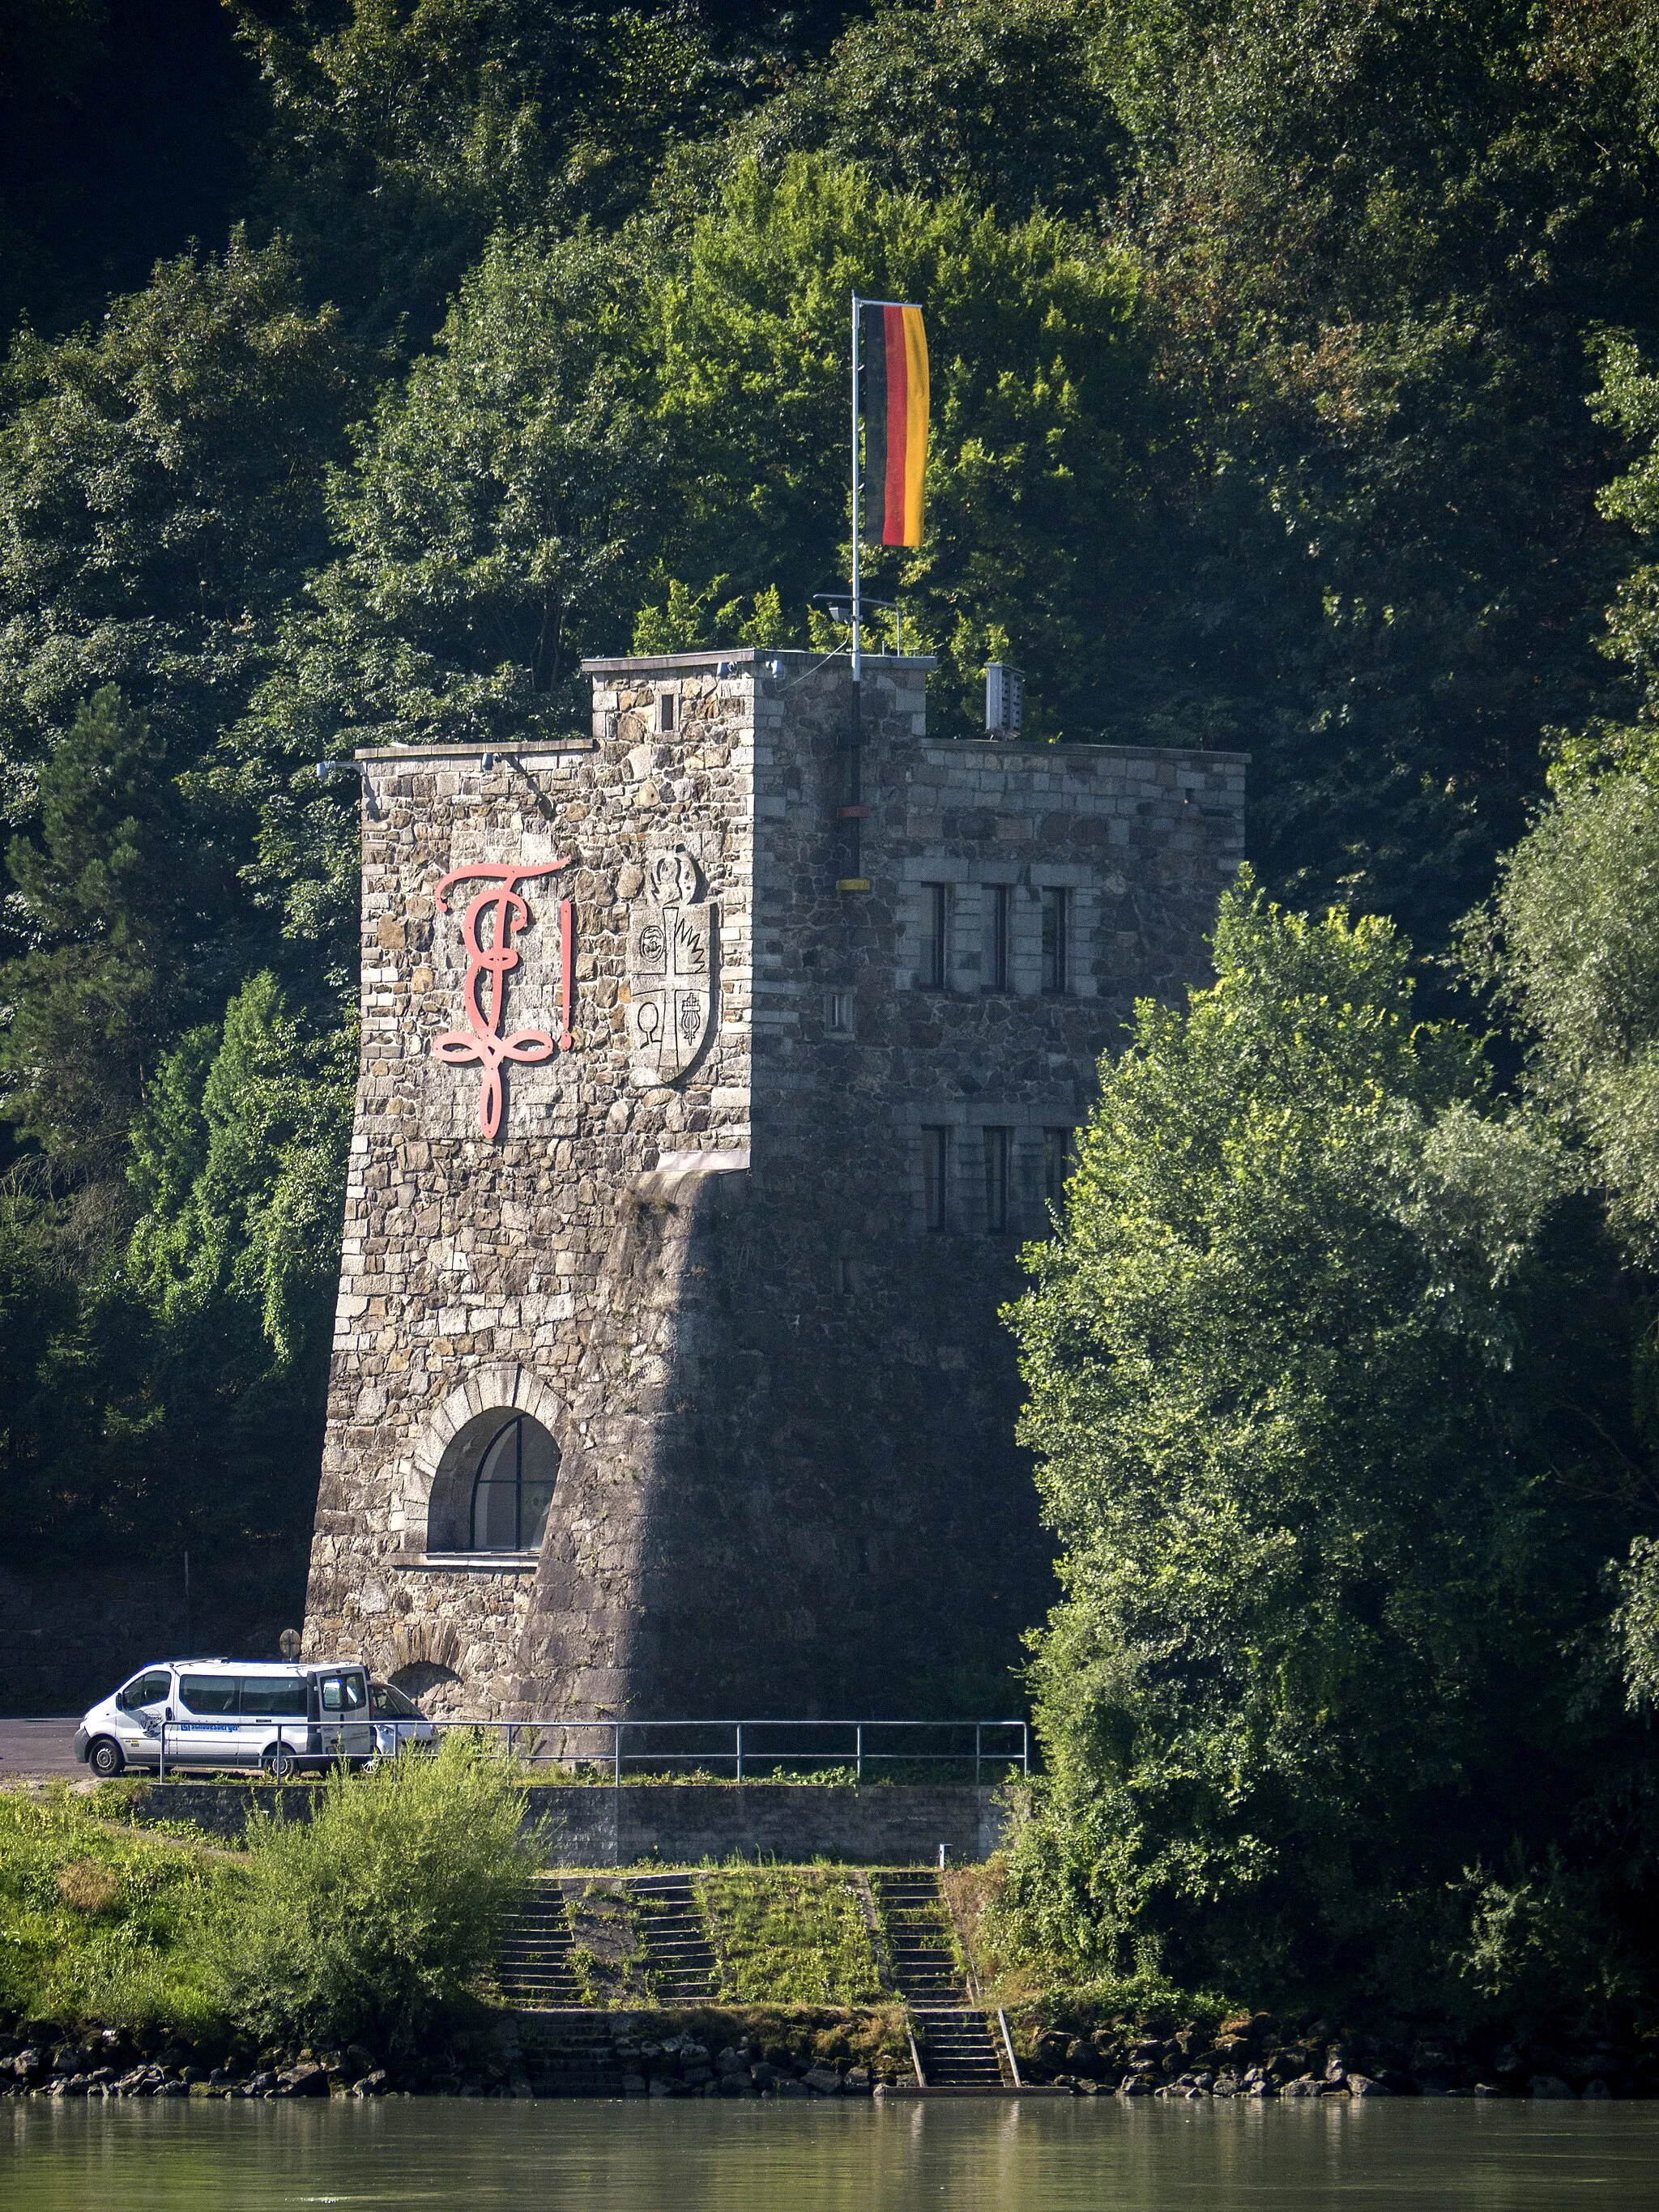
588,1825
785,1404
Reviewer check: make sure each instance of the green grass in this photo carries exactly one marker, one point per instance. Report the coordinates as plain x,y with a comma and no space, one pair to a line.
790,1936
101,1922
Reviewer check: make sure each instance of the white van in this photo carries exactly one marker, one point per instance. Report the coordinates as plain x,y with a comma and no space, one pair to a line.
213,1713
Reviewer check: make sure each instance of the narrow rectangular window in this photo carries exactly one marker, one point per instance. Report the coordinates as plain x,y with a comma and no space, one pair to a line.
933,952
994,972
838,1013
1057,1162
999,1157
1056,919
665,708
935,1176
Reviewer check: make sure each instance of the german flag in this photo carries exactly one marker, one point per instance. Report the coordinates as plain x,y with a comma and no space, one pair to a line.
894,350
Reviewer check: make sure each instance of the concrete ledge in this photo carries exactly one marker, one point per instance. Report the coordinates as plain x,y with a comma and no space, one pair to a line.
676,1824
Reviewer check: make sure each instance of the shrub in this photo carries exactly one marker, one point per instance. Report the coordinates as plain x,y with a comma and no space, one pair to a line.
369,1919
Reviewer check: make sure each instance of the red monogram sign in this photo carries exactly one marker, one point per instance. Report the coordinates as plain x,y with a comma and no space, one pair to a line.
485,987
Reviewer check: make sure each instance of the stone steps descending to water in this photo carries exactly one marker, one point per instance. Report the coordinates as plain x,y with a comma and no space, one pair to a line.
915,1923
960,2049
533,1964
679,1962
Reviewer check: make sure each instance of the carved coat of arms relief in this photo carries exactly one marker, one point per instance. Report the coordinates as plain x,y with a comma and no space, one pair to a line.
672,943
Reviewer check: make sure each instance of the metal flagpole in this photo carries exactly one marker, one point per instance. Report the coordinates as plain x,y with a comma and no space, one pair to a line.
853,811
858,649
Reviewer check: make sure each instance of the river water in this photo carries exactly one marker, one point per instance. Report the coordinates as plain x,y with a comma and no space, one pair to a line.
1042,2154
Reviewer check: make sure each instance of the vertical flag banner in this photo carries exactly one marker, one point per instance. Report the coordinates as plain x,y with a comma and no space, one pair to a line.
894,349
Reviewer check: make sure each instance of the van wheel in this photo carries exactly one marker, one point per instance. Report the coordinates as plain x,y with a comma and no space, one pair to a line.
104,1758
279,1763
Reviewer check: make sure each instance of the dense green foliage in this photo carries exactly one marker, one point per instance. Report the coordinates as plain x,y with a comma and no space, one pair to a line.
1296,368
1331,1391
370,1916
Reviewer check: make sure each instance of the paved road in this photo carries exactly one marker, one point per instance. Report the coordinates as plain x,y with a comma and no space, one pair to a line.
39,1748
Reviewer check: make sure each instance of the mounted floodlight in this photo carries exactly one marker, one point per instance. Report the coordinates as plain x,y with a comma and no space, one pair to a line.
1004,699
839,608
489,762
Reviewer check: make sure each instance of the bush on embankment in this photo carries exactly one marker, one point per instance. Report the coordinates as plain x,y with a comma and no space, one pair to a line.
382,1908
365,1920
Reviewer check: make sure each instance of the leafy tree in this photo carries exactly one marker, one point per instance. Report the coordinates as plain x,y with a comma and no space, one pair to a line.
1007,104
383,1906
110,893
1569,943
1041,427
403,136
1376,232
239,1160
1327,1379
161,486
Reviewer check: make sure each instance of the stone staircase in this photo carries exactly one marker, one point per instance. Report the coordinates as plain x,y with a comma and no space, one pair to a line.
534,1965
960,2049
916,1924
679,1964
572,2054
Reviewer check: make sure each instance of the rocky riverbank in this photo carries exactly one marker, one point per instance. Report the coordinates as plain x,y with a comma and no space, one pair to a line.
1262,2055
671,2054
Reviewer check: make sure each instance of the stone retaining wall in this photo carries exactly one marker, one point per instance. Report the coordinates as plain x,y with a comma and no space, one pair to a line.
678,1823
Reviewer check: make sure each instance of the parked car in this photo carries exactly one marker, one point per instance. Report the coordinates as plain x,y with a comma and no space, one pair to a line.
399,1722
208,1714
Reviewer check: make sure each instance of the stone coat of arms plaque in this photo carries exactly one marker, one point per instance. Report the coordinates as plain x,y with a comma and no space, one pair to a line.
671,970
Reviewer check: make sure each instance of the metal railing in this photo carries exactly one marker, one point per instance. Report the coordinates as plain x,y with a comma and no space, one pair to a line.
291,1742
746,1749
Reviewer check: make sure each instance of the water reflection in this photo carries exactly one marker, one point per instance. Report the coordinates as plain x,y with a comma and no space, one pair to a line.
1044,2155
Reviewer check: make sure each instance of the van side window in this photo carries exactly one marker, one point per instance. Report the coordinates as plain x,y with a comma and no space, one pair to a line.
342,1693
266,1697
208,1694
148,1689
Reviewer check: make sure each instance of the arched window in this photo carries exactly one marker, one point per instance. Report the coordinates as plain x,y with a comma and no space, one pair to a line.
514,1486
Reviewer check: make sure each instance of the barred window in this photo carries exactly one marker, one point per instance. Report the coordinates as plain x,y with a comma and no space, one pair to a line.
999,1155
993,966
1056,931
933,953
935,1177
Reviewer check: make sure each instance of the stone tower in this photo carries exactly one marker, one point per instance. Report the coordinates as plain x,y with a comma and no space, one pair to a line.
687,1181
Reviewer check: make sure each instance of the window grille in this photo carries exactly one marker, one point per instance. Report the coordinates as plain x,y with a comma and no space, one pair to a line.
994,968
935,1177
999,1153
933,950
1056,931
